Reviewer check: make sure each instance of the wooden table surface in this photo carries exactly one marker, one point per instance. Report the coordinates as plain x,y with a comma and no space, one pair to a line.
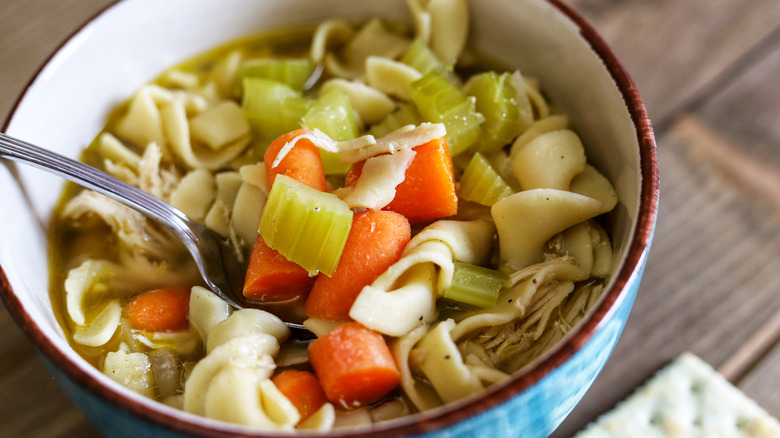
708,71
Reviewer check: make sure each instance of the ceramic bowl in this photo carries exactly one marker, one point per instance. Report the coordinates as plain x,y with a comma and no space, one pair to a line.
132,41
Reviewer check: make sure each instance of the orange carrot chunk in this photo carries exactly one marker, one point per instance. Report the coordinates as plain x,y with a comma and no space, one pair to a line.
302,163
428,192
160,310
302,389
376,241
354,365
271,277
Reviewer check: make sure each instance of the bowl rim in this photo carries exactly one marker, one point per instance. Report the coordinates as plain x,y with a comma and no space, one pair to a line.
634,259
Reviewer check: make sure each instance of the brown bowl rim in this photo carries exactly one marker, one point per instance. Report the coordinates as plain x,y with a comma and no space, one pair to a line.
449,415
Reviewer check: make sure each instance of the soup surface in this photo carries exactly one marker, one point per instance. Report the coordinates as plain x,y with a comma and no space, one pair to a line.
430,217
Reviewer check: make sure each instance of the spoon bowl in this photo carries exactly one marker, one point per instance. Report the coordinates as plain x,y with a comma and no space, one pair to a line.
216,259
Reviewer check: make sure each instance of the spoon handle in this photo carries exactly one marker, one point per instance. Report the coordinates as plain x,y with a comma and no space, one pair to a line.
208,251
99,181
184,228
195,237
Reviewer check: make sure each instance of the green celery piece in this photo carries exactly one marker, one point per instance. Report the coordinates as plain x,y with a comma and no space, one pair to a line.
475,285
332,114
263,101
439,101
293,110
291,71
481,183
497,102
420,57
406,114
305,225
332,164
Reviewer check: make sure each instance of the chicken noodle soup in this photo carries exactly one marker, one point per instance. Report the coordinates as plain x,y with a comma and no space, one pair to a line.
432,219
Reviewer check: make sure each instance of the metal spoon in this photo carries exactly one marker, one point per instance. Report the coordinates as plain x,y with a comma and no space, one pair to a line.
213,255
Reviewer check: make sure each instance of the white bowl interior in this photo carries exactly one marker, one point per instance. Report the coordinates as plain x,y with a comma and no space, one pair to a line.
135,40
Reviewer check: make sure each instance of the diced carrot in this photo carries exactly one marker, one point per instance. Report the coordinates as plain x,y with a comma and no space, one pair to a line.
428,192
354,365
302,163
160,310
271,277
376,241
302,389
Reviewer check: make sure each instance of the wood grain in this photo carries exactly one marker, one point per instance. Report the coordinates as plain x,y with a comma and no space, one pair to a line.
741,134
679,51
761,380
760,343
32,31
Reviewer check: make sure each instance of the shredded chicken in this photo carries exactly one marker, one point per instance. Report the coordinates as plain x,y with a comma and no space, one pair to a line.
131,227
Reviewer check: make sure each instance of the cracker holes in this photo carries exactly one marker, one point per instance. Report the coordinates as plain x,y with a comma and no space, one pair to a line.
657,419
744,423
697,387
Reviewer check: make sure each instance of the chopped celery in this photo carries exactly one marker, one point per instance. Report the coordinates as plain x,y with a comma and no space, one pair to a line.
420,57
332,114
305,225
406,114
293,110
293,71
481,183
475,285
439,101
332,164
263,101
496,101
